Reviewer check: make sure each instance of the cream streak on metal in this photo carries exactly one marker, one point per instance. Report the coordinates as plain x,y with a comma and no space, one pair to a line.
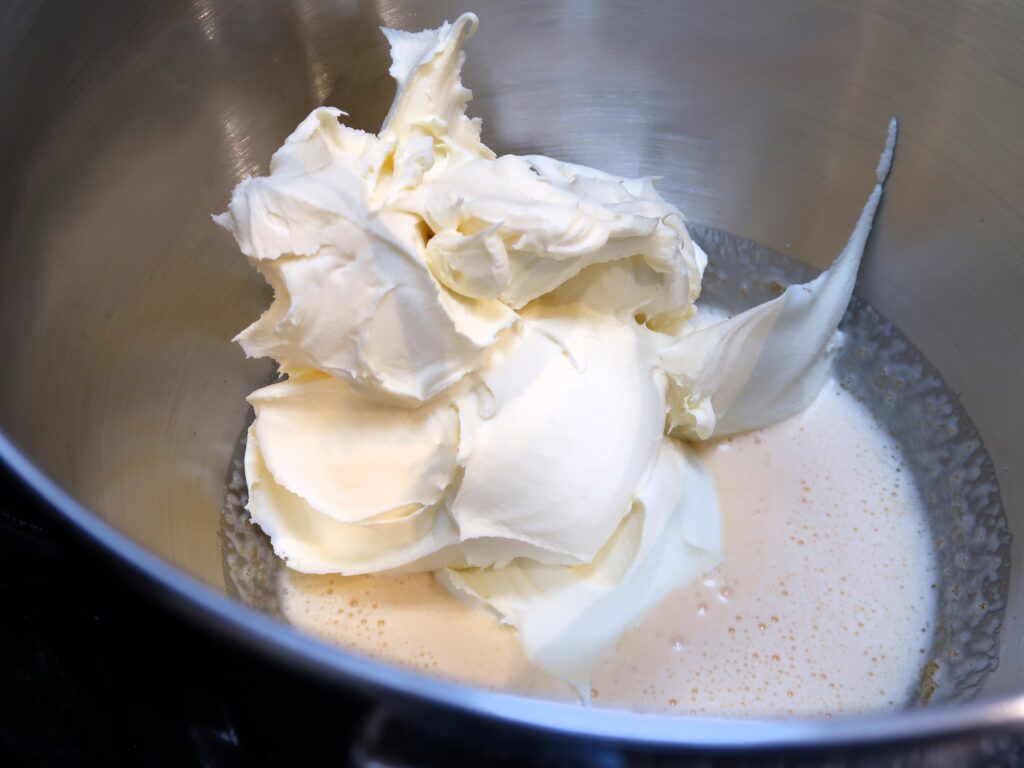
824,602
492,366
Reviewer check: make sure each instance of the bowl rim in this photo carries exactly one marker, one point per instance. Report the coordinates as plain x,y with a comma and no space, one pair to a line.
231,619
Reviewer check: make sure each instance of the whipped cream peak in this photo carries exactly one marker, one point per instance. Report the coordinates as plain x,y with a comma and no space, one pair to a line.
428,114
769,363
489,363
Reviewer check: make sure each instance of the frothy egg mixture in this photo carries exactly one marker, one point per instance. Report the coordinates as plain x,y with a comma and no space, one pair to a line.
507,446
823,604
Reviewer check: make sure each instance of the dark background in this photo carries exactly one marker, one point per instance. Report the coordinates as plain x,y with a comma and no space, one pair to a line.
94,671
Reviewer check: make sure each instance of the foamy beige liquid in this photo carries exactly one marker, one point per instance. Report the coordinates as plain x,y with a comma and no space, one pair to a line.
824,602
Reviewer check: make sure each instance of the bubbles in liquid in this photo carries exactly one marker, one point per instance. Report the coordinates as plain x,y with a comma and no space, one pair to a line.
823,603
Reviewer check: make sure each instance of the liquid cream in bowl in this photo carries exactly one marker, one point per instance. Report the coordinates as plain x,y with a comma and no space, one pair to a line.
823,604
509,447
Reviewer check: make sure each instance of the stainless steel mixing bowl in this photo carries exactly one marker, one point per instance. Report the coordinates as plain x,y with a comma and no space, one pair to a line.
125,123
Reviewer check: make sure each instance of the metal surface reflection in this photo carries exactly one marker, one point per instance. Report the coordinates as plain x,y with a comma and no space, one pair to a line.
127,123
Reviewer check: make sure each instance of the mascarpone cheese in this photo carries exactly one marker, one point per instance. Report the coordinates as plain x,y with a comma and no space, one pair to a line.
490,365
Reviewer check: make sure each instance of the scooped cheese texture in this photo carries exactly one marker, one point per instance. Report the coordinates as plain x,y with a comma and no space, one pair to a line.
491,367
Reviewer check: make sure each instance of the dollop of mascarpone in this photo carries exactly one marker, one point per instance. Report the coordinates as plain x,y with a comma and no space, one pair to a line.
491,369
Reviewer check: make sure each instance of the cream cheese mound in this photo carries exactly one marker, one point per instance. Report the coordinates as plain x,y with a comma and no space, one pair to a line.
491,369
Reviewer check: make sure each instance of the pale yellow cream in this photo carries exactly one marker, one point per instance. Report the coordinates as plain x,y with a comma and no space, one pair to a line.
492,368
